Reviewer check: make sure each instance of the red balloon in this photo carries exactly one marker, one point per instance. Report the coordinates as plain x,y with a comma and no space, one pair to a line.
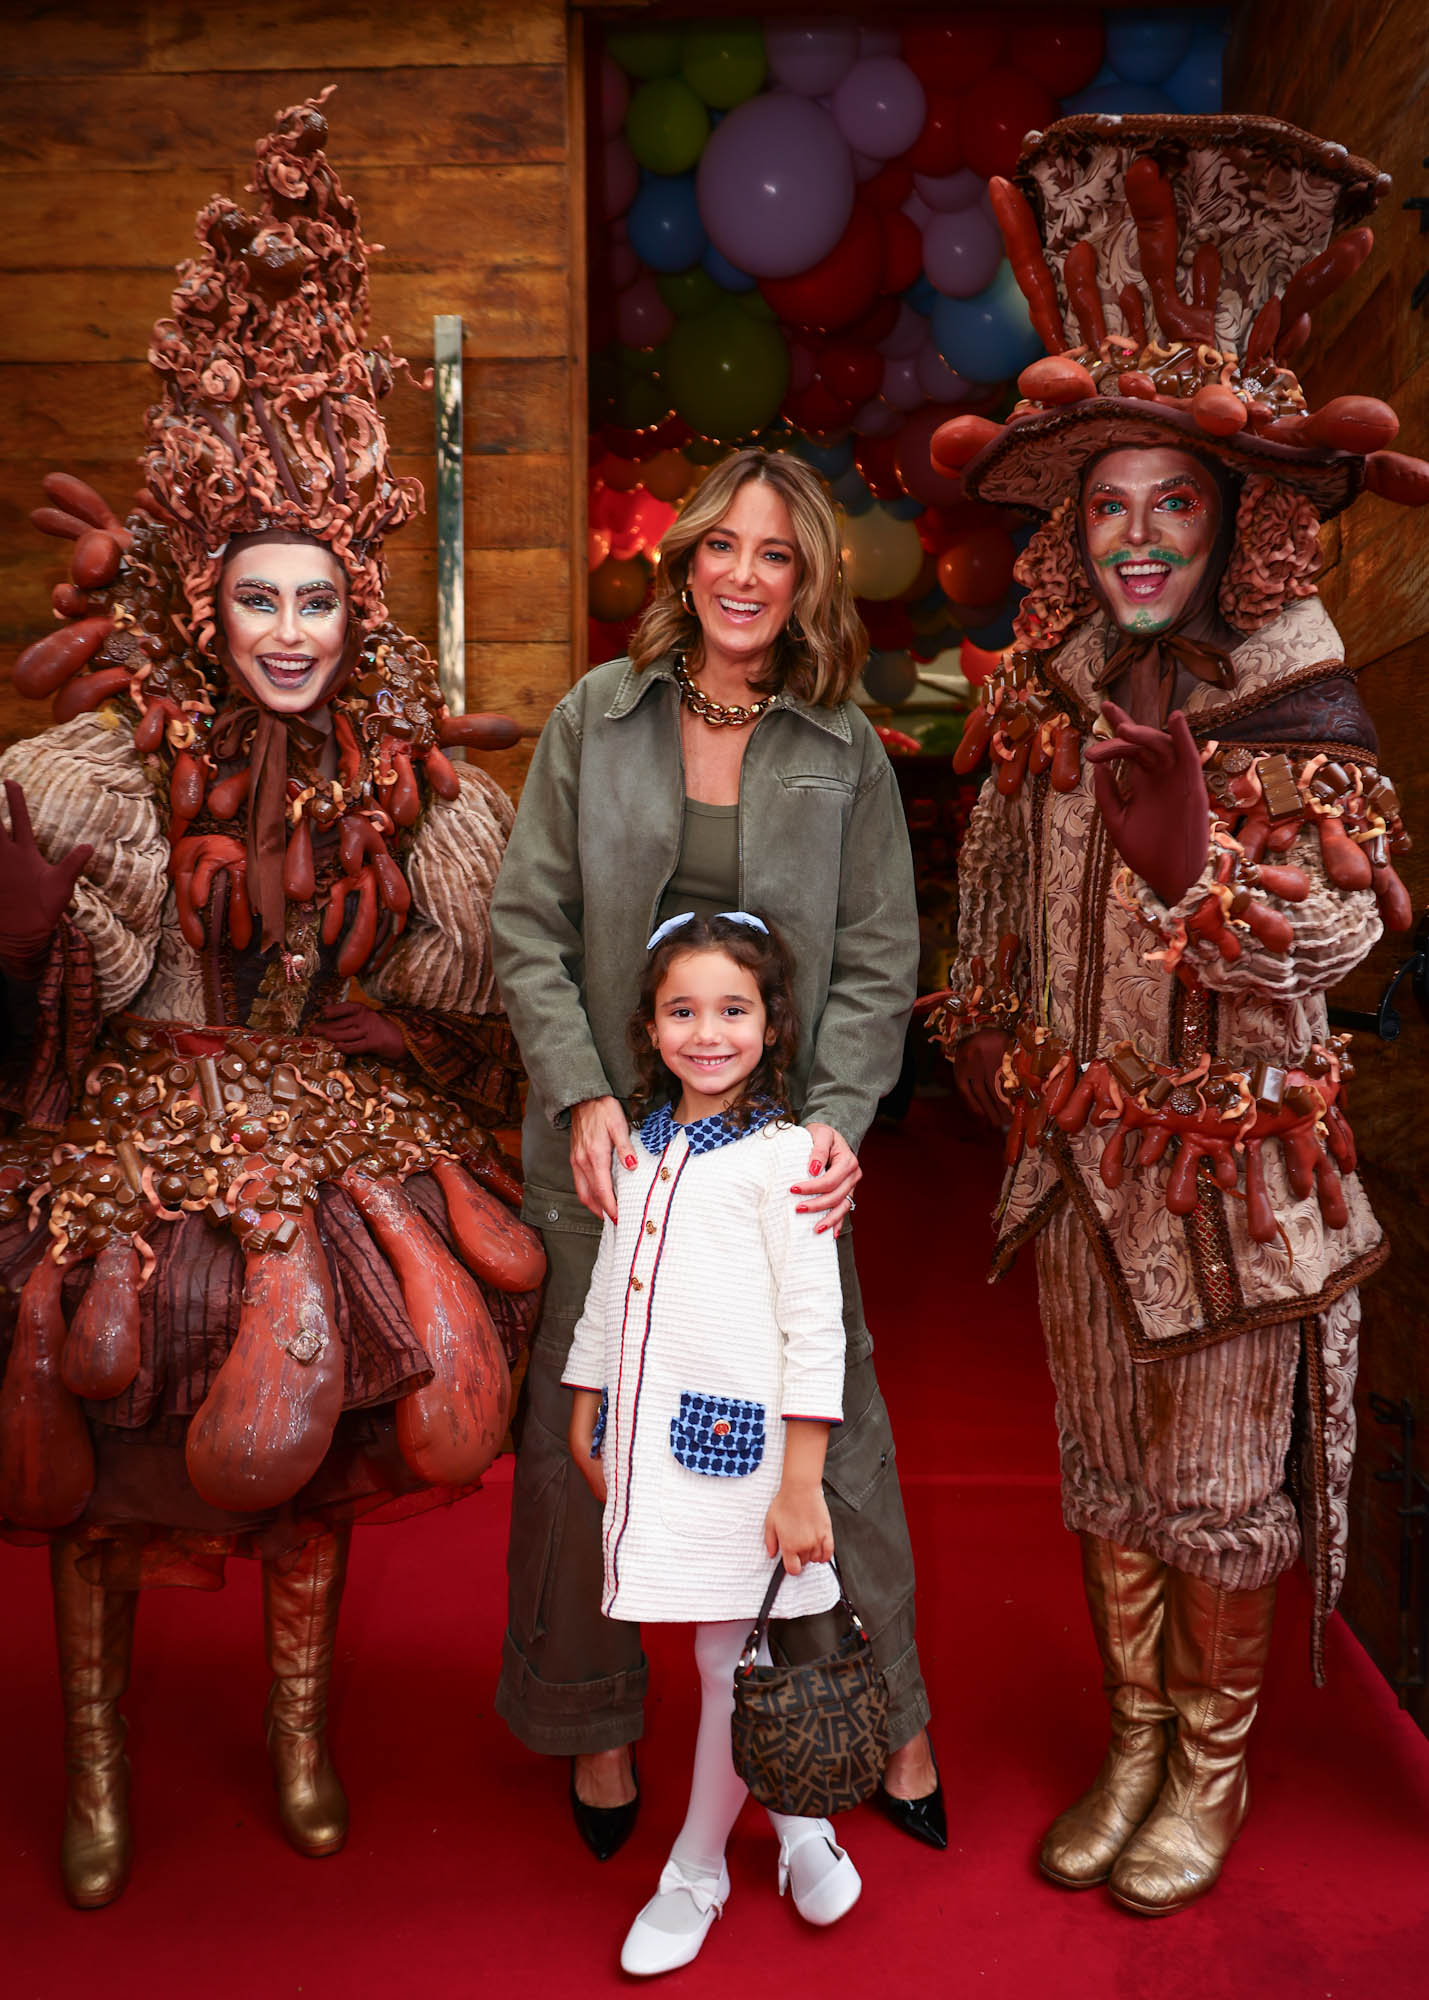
670,435
816,410
977,568
607,640
890,186
954,54
923,582
874,459
912,455
619,474
977,662
1062,51
902,252
875,324
938,148
889,627
852,373
842,286
995,117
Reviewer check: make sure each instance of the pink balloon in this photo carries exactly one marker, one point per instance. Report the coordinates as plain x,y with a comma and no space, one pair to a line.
802,369
948,192
619,180
614,96
865,166
642,318
962,252
939,382
900,382
622,266
917,211
880,106
810,58
910,331
876,419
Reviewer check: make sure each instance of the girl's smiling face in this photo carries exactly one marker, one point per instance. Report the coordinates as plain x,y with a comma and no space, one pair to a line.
1150,518
284,610
711,1030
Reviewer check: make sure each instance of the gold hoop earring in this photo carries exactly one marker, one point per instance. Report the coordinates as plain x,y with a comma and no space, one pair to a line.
794,629
687,598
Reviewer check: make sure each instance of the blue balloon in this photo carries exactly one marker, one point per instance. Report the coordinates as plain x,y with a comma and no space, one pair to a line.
989,337
907,509
1118,100
921,296
726,275
994,636
831,459
851,493
1195,85
664,223
1145,48
1022,534
923,606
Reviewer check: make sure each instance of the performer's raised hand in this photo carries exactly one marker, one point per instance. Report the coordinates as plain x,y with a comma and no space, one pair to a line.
1152,795
34,892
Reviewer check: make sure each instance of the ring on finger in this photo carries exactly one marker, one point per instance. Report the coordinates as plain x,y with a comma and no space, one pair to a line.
852,1204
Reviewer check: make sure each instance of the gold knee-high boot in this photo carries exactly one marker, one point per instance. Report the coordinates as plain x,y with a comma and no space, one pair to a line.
1125,1595
94,1635
300,1609
1216,1646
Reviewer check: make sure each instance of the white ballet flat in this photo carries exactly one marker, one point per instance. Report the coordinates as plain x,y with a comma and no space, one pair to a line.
825,1883
675,1922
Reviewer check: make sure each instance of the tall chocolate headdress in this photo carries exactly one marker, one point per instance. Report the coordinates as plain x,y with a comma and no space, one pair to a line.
1224,234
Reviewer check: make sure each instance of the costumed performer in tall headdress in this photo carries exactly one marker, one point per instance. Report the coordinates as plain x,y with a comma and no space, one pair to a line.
260,1273
1187,840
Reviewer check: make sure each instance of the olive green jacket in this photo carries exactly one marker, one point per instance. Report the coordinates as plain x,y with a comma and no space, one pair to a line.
823,853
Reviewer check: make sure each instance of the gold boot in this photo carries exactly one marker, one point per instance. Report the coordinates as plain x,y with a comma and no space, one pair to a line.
1125,1595
94,1635
300,1607
1216,1646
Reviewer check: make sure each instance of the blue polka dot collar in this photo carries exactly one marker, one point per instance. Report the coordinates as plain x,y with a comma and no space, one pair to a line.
704,1135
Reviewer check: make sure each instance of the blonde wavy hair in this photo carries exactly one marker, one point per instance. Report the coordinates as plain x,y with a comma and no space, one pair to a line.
820,653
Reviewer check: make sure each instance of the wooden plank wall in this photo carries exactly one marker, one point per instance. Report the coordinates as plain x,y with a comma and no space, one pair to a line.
1358,71
455,126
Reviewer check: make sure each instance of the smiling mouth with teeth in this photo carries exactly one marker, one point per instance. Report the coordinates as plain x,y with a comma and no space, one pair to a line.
1142,579
286,670
739,607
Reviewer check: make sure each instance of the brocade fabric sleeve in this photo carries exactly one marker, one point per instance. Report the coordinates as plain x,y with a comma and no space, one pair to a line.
994,883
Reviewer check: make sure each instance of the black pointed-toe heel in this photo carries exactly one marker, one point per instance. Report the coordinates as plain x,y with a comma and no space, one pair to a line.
605,1829
922,1819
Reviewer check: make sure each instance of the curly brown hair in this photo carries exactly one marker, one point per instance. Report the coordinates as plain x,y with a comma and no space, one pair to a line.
765,955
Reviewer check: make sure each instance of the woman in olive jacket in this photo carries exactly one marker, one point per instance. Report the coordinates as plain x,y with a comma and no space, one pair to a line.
720,767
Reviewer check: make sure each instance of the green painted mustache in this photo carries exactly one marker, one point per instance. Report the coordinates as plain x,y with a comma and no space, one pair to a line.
1120,556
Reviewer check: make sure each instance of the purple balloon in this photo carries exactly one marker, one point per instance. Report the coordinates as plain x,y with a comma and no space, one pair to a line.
642,318
614,96
947,192
880,106
809,59
918,211
901,387
961,252
775,185
622,266
865,166
619,180
910,330
939,382
878,42
876,419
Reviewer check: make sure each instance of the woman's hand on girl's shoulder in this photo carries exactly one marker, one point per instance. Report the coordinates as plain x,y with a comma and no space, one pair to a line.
834,1173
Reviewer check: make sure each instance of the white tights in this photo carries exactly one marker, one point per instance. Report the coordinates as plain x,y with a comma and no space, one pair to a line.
717,1791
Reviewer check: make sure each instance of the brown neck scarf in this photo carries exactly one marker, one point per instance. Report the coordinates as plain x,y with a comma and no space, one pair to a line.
1151,659
268,795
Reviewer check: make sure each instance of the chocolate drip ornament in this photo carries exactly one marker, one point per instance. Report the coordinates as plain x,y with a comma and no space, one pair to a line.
1186,840
263,1274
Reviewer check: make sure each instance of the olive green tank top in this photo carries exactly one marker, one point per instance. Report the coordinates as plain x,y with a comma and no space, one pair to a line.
706,877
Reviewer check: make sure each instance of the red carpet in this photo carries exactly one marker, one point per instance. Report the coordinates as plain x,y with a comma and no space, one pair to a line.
464,1877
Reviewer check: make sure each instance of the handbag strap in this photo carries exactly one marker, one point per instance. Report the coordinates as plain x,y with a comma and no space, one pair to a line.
756,1637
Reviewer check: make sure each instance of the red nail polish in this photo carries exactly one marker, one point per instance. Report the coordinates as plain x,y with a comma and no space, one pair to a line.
817,1167
630,1159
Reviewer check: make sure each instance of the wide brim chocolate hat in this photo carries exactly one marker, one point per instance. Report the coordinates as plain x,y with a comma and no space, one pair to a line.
1223,233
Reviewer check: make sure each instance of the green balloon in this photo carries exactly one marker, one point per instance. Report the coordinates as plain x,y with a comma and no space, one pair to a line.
725,65
641,402
645,51
640,360
704,451
755,304
726,373
689,292
666,125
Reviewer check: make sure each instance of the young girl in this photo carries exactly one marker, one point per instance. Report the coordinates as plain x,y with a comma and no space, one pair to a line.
712,1345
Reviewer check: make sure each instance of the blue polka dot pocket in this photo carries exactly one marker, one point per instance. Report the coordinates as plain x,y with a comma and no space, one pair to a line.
719,1435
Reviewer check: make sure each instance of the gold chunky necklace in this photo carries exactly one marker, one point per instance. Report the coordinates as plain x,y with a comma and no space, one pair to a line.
716,713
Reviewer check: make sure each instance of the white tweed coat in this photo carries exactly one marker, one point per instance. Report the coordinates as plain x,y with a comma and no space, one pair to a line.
714,1312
